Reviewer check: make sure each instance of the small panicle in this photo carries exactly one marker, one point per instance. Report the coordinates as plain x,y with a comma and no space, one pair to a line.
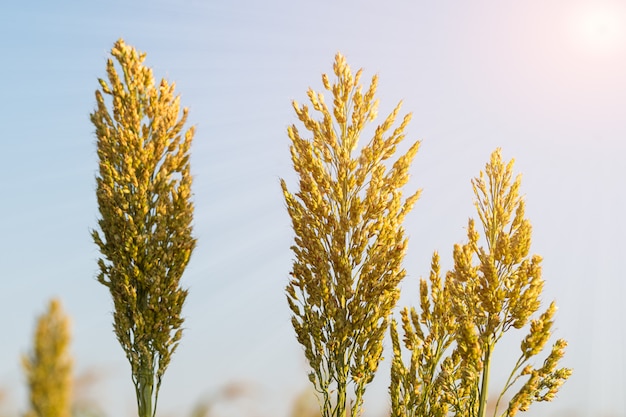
490,290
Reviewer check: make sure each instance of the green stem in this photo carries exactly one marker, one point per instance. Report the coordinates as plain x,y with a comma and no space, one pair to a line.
510,381
484,386
144,388
342,386
357,406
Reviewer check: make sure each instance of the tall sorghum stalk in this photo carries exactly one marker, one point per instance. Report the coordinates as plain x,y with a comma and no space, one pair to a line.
145,238
349,242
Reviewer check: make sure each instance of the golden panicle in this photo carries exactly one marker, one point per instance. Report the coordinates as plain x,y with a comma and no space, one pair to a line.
490,290
421,388
349,243
144,198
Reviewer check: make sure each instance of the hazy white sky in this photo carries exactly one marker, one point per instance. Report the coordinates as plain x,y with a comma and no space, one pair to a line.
544,80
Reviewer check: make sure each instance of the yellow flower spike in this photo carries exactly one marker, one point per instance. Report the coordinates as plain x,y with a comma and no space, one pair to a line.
348,243
143,195
490,290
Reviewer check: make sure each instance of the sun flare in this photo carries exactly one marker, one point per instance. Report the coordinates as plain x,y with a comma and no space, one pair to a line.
600,28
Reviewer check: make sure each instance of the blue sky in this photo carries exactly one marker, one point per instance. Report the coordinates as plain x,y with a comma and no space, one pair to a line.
542,80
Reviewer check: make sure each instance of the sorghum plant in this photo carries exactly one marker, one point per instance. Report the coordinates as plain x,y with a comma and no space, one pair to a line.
490,291
349,242
420,389
49,367
143,192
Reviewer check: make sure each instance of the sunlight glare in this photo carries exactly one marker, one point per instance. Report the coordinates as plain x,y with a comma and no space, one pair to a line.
600,28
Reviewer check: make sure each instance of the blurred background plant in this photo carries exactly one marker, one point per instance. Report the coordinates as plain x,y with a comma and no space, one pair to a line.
86,385
48,367
5,403
305,404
